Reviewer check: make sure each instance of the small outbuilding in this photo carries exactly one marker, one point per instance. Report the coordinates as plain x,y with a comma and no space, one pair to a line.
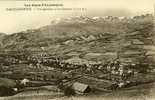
25,81
81,88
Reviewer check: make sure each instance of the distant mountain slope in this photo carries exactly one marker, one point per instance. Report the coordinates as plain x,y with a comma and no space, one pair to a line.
2,35
89,38
1,38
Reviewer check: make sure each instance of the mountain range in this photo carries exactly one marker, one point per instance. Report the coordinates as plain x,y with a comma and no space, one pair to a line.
91,38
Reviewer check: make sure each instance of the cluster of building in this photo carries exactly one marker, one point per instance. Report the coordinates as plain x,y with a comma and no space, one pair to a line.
53,68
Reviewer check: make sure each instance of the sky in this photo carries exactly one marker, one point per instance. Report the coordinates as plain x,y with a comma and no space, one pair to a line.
16,21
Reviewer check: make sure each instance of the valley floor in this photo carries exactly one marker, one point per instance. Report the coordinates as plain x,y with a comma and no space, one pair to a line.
140,92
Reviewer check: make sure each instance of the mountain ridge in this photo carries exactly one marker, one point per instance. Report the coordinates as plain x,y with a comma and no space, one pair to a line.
80,36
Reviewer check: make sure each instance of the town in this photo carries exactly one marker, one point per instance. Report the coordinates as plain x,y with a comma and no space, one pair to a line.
43,69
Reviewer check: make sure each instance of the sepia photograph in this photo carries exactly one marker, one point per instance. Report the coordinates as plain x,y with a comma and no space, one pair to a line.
77,50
